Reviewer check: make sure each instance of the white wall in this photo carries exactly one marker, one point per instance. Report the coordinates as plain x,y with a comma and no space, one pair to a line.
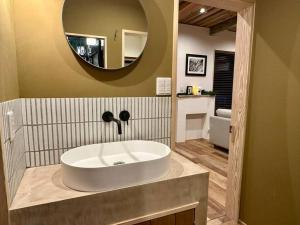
196,40
134,44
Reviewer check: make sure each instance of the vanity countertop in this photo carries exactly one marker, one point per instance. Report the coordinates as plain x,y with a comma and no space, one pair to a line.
41,189
43,185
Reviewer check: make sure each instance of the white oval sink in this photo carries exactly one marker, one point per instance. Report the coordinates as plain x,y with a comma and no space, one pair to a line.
114,165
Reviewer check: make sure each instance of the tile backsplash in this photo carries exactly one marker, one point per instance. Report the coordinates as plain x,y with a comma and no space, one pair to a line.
53,126
13,151
46,128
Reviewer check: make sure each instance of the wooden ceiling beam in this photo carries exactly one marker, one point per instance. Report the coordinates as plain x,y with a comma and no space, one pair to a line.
183,4
187,10
196,14
233,5
232,29
223,26
211,18
221,18
204,16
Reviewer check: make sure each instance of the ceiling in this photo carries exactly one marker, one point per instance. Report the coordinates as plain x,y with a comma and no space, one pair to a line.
215,19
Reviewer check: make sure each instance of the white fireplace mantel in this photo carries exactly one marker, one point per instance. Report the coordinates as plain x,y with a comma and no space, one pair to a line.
188,105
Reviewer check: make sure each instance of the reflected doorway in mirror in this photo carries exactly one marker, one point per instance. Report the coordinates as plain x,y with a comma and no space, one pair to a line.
133,44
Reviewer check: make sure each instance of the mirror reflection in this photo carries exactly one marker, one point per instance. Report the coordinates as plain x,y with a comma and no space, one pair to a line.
108,34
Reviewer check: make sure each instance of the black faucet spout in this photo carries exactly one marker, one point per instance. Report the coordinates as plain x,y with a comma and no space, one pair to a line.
109,117
118,124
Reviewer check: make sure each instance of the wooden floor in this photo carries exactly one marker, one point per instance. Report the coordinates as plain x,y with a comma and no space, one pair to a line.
216,162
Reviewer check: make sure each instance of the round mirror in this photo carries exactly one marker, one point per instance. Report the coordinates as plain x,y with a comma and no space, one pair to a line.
108,34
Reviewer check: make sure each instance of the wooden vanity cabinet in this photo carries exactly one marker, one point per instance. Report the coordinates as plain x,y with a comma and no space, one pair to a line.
166,220
185,218
182,218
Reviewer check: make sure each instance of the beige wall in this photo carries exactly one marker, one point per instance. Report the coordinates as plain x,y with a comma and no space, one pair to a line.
105,18
48,68
271,186
8,62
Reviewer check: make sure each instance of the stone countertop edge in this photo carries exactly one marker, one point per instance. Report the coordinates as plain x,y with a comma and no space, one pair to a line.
29,195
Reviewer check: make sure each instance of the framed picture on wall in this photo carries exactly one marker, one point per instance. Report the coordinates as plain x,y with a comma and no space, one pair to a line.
196,65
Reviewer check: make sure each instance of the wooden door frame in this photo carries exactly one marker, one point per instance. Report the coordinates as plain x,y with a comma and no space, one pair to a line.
244,43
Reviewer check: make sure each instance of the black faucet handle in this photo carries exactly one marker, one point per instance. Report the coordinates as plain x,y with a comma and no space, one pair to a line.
124,116
107,117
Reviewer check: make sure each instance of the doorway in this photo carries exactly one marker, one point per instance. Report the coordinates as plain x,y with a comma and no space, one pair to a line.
202,132
244,33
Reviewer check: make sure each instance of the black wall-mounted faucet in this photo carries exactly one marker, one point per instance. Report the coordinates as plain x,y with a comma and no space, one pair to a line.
109,117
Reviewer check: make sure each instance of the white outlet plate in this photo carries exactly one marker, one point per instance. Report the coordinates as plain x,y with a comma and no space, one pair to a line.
163,86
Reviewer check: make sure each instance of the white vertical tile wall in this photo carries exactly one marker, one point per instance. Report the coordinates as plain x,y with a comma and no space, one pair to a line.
46,128
53,126
13,151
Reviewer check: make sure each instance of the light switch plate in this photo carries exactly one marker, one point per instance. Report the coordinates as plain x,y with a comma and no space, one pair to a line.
163,86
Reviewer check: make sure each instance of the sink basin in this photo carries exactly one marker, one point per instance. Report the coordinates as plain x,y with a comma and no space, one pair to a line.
114,165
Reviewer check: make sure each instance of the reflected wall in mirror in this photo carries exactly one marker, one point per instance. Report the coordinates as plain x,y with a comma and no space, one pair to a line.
108,34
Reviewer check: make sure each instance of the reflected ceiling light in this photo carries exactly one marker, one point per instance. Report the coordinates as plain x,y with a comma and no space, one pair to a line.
92,41
202,10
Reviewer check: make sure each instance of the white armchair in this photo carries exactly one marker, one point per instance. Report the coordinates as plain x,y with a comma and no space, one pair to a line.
219,128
